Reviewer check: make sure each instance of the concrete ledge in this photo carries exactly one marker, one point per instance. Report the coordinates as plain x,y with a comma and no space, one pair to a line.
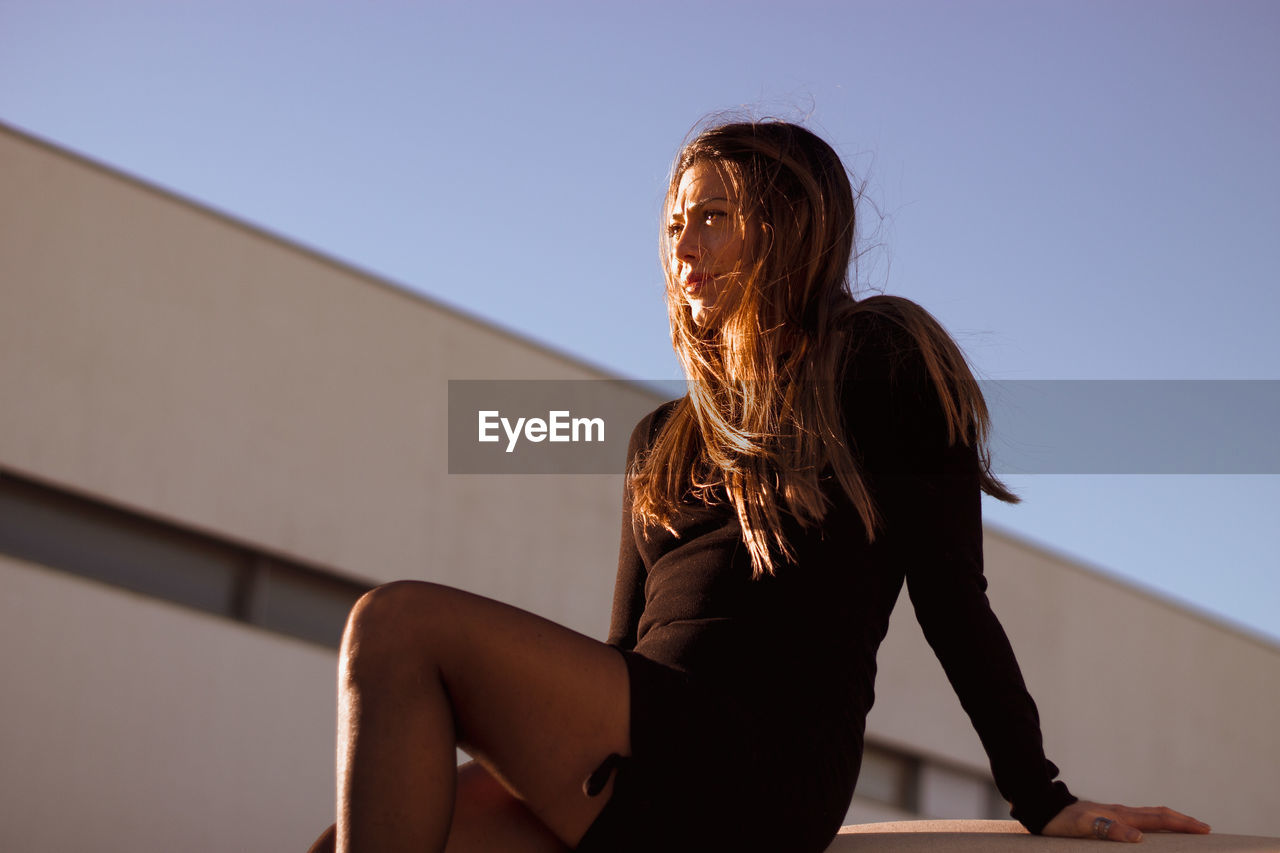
982,836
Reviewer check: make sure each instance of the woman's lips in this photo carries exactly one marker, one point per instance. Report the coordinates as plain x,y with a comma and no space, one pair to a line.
693,283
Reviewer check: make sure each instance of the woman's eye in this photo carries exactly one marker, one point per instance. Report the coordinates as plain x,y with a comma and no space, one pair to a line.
711,217
673,230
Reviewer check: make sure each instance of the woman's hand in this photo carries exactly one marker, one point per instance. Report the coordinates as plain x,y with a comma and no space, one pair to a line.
1118,823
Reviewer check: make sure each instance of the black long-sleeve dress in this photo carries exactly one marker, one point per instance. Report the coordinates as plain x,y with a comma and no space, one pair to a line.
749,696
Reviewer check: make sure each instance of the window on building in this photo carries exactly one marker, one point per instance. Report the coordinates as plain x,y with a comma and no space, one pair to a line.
925,787
55,528
889,776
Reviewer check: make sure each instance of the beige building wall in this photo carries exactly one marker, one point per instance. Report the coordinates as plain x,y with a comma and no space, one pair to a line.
164,359
130,724
1140,700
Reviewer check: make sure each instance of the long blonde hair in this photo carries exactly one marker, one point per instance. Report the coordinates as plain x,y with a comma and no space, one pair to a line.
761,420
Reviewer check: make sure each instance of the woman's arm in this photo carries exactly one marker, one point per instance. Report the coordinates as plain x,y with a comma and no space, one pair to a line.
928,494
931,500
934,527
938,533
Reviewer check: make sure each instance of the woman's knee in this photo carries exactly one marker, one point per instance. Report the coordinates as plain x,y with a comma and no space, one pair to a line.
327,842
390,631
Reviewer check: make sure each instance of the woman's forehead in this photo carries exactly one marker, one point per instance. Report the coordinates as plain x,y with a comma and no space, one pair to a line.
703,181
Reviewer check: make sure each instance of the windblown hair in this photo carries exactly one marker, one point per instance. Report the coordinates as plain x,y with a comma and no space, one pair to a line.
761,421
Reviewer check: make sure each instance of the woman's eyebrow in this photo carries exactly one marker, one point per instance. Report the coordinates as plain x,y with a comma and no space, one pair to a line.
703,202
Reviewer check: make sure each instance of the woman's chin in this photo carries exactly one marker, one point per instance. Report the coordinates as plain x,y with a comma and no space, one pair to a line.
702,313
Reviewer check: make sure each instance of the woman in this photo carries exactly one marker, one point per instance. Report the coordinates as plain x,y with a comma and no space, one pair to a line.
829,451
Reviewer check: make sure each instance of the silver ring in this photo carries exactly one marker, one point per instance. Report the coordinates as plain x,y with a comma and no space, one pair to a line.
1102,827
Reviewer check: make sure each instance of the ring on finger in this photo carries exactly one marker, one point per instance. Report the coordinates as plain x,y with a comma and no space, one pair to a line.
1102,827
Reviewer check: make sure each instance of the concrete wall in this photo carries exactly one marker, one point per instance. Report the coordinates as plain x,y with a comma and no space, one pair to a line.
132,724
165,359
1140,700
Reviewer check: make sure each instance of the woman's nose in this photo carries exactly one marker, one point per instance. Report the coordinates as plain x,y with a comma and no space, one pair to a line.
686,245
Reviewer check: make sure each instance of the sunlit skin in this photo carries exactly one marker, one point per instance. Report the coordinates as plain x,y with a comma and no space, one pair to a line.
706,240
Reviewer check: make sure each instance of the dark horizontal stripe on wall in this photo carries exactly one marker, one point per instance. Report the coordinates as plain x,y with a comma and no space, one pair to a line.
895,777
84,537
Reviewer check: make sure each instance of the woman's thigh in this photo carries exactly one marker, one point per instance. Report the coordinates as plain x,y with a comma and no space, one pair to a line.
538,705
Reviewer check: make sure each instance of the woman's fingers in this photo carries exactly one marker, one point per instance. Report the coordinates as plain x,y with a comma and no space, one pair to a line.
1119,823
1160,819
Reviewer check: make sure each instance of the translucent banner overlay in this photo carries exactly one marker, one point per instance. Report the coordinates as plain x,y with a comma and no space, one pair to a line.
1173,426
1038,426
547,426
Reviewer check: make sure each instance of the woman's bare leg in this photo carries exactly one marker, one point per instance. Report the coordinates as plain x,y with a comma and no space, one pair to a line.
424,668
486,818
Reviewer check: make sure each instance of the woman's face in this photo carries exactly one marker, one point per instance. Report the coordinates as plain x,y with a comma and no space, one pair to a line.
706,240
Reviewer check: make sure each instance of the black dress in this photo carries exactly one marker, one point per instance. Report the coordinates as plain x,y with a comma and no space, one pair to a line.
749,697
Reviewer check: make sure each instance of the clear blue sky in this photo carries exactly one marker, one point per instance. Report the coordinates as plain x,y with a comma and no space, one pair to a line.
1076,189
